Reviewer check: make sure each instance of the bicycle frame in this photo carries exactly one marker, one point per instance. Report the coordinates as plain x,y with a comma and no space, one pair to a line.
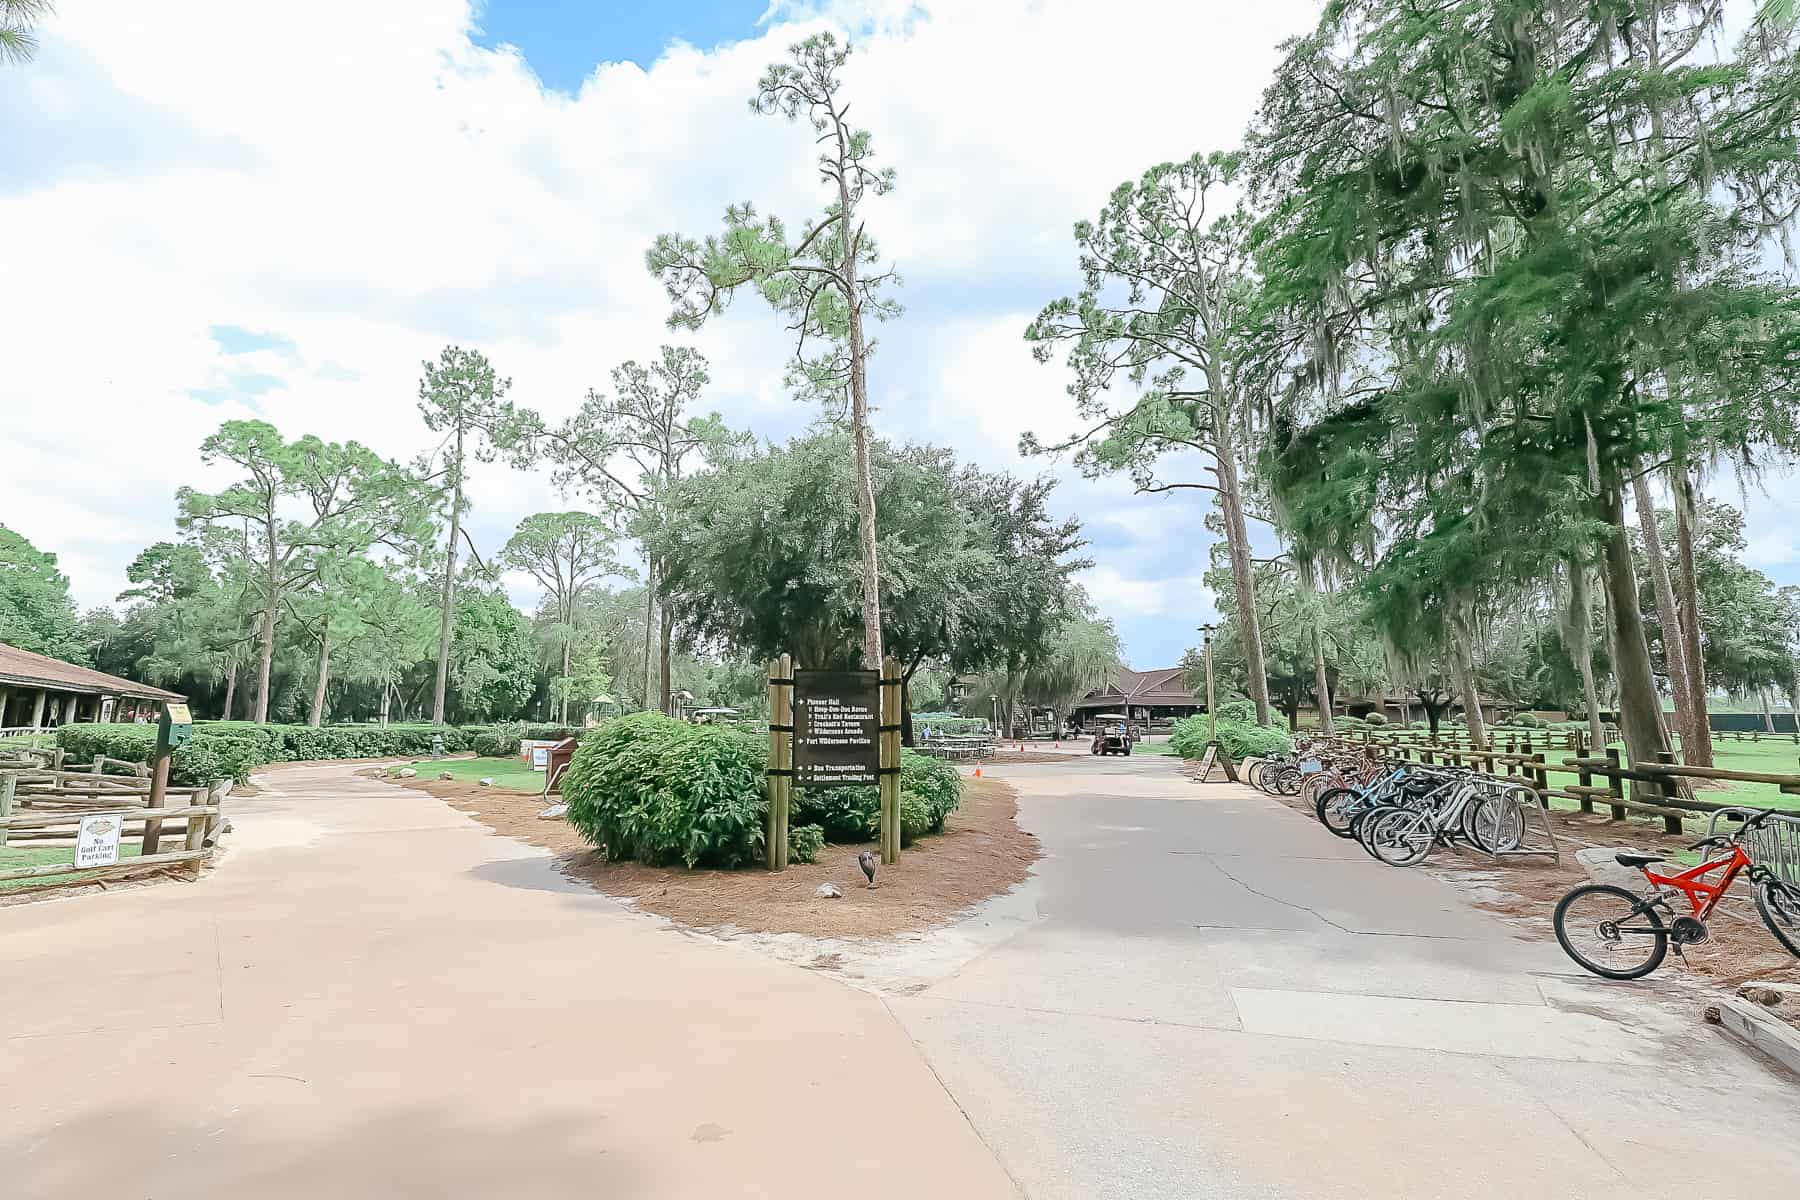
1702,895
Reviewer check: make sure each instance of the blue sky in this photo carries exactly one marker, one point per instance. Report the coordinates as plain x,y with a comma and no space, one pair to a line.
564,41
492,176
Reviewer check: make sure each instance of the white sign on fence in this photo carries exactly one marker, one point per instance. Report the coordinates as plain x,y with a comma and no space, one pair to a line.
97,845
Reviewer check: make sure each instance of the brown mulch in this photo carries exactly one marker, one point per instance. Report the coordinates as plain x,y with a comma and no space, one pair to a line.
1738,948
981,853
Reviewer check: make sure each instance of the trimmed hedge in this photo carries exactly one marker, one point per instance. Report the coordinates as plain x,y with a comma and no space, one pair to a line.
232,749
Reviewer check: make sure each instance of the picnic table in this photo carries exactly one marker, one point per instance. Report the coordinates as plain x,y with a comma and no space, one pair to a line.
959,745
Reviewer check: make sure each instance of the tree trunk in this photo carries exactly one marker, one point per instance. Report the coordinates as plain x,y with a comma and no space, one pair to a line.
649,629
1321,684
1463,660
1673,639
1237,542
387,698
1768,717
664,655
267,651
1688,594
447,619
1640,710
563,712
851,238
906,722
317,717
1580,627
230,692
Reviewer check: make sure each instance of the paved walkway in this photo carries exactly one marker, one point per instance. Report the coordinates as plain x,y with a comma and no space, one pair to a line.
374,997
1219,999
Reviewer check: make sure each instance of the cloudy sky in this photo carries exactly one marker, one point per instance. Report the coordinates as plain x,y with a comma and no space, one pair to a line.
217,209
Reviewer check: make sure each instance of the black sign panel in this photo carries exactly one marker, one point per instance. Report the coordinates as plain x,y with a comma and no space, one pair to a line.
837,719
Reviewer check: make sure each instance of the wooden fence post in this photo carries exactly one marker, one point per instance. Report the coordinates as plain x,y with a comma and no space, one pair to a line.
1614,784
159,784
889,743
1586,777
8,785
781,760
1540,775
1666,789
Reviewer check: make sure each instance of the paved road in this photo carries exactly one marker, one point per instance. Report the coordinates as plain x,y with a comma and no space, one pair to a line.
373,996
1217,999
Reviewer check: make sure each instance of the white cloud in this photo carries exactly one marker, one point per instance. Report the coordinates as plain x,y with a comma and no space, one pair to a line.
365,184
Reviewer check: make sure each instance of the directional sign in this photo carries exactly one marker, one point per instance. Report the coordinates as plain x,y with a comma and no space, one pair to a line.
837,728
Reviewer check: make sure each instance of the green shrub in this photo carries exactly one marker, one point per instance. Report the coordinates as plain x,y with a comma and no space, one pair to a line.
915,817
201,762
853,814
656,790
1376,718
949,725
1238,710
1527,721
805,842
1240,739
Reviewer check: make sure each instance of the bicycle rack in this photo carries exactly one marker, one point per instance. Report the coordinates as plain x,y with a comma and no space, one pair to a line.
1775,845
1530,801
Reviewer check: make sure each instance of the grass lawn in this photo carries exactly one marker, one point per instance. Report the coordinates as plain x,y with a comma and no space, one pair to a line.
33,856
509,773
1162,747
1772,756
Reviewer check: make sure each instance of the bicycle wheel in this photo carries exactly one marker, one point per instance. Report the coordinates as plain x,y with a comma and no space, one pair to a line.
1610,932
1364,824
1495,823
1335,807
1402,838
1287,783
1779,907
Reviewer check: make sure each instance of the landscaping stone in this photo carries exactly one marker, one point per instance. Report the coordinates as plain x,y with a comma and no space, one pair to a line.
1602,867
554,813
408,773
1758,1029
445,775
484,782
1771,992
829,891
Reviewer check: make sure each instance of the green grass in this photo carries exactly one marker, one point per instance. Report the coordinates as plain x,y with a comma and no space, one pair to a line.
509,773
1162,748
34,856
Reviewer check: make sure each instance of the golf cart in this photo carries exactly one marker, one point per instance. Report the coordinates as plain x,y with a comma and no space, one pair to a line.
1112,734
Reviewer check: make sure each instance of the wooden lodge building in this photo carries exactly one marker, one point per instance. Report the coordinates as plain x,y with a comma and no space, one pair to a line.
1157,696
37,692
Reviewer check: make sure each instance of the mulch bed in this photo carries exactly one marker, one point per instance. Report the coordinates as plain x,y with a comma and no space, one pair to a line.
981,853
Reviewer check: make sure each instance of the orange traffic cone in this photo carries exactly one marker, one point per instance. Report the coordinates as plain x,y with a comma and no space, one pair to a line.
978,772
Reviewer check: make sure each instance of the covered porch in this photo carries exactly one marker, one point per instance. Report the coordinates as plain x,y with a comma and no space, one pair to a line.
38,693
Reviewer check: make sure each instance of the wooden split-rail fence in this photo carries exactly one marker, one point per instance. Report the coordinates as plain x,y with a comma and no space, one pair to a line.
1660,789
43,800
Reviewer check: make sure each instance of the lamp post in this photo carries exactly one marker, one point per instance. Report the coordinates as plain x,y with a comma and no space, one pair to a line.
1212,721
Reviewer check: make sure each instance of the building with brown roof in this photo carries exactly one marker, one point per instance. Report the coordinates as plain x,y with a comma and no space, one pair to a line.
37,691
1156,695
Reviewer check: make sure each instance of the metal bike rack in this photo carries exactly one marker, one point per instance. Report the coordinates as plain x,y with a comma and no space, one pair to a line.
1775,844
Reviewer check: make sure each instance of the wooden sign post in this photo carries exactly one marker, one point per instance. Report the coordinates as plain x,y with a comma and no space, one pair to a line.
781,760
890,760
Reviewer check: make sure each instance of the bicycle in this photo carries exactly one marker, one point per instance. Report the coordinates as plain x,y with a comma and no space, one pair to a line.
1628,935
1463,808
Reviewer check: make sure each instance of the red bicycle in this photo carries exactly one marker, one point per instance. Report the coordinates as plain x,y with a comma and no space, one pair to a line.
1618,935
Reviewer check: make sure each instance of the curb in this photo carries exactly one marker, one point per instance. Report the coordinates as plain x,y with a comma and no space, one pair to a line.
1753,1026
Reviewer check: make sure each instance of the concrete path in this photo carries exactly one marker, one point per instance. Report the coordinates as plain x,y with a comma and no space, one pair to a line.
374,997
1219,999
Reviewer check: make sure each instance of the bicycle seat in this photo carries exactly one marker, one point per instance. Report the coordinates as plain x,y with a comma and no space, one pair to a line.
1637,860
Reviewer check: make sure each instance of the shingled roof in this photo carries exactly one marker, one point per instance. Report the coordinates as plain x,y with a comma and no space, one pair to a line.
22,668
1142,689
